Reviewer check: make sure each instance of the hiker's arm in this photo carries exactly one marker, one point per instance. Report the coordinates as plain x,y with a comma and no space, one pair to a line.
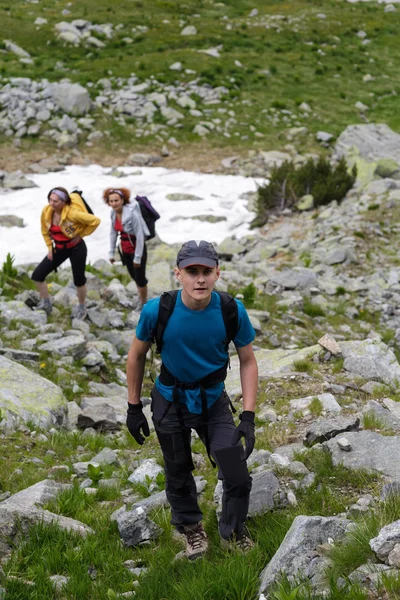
45,233
135,369
248,376
91,221
139,234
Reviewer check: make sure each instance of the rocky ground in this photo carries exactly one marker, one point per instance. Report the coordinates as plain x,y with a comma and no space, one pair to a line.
322,289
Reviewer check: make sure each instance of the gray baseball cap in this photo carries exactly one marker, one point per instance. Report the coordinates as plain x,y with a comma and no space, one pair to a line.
197,252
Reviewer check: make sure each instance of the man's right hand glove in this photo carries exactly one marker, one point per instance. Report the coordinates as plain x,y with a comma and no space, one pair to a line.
136,421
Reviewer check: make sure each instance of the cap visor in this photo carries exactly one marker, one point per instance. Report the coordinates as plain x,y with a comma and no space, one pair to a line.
202,262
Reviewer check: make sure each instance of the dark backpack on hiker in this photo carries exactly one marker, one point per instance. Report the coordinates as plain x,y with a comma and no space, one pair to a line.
85,204
149,214
229,311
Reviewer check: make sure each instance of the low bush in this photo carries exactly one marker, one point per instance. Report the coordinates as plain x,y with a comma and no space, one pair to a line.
288,184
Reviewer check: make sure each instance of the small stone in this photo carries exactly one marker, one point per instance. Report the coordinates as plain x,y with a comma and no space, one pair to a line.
329,343
344,444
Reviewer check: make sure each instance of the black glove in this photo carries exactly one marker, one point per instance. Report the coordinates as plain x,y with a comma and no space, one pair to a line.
135,421
245,429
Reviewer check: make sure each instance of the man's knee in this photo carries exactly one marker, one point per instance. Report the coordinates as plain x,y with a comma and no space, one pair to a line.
237,487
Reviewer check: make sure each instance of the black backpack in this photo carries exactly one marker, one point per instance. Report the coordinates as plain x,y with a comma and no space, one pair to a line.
229,311
149,214
86,205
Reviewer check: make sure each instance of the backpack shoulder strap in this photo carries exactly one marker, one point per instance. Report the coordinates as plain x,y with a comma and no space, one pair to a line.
230,315
165,310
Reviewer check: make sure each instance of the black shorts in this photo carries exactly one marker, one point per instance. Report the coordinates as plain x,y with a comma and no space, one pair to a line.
138,274
77,255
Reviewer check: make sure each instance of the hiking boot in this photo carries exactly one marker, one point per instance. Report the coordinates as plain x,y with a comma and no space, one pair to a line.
80,313
44,305
196,541
242,543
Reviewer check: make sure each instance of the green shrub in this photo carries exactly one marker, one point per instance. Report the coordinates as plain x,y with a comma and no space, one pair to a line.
8,268
288,184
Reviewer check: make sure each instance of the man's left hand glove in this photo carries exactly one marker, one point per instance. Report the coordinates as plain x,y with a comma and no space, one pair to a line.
245,429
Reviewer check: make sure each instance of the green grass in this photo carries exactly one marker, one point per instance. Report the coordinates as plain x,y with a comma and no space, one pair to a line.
315,407
318,61
304,365
355,550
312,309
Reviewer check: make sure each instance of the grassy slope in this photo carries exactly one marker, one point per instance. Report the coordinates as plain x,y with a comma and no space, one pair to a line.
310,59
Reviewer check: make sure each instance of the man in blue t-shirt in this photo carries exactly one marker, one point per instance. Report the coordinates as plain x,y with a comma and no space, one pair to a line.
190,394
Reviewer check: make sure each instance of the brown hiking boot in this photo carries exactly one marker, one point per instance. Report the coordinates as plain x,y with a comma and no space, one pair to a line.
196,541
242,543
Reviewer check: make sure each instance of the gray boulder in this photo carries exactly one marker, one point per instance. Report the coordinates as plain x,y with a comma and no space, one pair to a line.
325,429
73,345
102,417
370,451
25,396
11,221
17,181
298,551
371,359
270,363
72,98
386,540
383,415
371,141
22,510
135,527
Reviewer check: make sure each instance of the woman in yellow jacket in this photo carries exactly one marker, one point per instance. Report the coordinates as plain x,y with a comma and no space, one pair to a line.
64,222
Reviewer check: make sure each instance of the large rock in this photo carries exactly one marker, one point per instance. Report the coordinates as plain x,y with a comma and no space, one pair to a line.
17,181
327,401
71,98
297,556
73,345
270,363
160,278
370,451
19,512
101,417
25,396
325,429
37,494
386,540
291,279
15,310
371,359
135,527
370,141
11,221
383,414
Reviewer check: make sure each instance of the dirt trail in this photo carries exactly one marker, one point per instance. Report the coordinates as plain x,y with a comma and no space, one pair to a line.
193,158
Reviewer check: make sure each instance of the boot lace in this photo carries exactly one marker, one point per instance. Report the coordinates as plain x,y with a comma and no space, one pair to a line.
244,543
196,539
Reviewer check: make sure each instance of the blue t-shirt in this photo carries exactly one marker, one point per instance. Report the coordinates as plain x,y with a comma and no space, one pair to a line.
193,345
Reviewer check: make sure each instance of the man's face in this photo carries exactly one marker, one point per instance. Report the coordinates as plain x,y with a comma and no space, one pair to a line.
198,281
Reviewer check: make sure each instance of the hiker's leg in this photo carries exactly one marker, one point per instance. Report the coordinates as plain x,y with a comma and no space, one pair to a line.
44,269
236,481
180,485
139,276
142,294
77,257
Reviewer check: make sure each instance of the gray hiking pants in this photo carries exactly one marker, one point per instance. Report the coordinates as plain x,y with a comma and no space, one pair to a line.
180,485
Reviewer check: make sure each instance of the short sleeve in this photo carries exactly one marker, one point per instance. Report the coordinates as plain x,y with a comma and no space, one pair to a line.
246,333
148,320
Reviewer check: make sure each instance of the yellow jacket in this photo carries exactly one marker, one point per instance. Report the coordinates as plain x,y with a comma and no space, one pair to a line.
75,221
